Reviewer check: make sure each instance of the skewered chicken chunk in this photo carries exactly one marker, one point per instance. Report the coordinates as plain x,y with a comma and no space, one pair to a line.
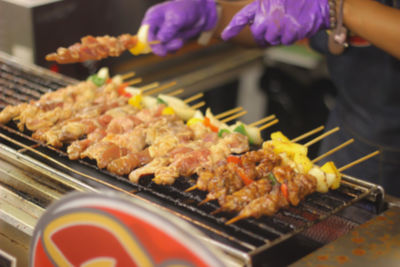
93,48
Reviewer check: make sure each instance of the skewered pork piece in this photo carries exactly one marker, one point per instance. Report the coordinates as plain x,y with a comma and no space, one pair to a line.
135,140
204,157
159,149
190,158
298,186
172,148
223,180
73,117
267,196
85,107
114,121
125,164
268,204
118,130
182,160
241,198
28,112
230,177
82,123
77,147
93,48
10,112
58,105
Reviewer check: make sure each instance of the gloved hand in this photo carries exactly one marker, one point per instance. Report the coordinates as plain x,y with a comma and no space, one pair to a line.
274,22
174,22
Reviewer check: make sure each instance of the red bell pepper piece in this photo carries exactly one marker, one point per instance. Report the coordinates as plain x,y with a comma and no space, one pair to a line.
284,190
245,178
234,159
121,90
207,123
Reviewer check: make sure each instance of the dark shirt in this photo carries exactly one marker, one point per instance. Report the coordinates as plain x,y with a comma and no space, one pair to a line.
367,109
368,83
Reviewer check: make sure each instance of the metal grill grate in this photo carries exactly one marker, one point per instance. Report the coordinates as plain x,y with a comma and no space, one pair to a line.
20,84
245,238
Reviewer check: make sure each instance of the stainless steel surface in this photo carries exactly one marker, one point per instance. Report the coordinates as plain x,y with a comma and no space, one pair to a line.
35,179
374,243
27,187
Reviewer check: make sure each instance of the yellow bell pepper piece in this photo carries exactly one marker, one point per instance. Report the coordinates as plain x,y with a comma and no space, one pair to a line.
279,136
330,167
139,48
168,111
193,121
303,161
136,101
291,149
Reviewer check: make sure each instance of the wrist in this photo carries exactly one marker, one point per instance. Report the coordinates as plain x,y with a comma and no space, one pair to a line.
212,14
338,35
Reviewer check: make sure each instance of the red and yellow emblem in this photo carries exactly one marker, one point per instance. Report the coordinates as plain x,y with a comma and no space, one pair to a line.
88,230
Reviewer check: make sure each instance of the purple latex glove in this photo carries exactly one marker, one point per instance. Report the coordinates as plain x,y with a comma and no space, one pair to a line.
174,22
275,22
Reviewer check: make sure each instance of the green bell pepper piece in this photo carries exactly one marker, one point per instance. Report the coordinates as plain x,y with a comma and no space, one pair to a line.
222,131
160,101
97,80
272,178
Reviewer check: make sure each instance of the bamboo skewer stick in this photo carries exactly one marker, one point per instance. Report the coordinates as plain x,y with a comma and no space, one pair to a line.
154,42
134,81
307,134
235,116
191,188
149,86
198,105
351,164
228,112
204,201
193,98
235,219
176,92
22,150
217,211
128,75
330,152
269,124
160,88
322,136
270,117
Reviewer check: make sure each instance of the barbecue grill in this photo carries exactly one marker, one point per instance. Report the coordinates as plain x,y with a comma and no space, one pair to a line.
34,174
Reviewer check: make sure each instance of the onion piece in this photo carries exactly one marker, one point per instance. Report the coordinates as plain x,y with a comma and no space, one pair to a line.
182,110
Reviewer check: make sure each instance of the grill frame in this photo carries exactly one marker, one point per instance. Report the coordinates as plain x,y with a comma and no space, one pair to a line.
262,236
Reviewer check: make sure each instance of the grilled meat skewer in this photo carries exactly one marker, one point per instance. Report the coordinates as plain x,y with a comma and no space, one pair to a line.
93,48
241,198
290,189
231,177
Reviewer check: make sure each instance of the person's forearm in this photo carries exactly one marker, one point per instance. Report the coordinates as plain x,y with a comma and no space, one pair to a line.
375,22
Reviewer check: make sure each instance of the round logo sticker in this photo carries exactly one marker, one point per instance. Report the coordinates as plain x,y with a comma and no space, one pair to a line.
91,229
